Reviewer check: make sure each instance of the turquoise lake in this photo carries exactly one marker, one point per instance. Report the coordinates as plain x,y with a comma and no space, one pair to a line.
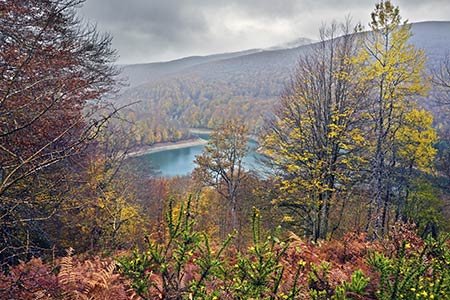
180,162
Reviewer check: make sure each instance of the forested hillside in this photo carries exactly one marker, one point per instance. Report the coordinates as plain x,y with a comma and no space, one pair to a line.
202,92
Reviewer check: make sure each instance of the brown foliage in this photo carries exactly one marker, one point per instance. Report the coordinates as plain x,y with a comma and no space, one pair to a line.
345,256
93,278
52,67
54,70
78,278
31,280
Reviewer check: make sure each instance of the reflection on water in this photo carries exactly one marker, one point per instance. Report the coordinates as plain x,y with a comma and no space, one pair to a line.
179,162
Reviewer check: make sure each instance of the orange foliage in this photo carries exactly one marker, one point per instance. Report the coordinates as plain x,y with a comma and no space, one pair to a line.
97,278
70,278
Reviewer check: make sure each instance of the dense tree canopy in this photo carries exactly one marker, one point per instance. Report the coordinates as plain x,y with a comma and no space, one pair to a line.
54,70
353,206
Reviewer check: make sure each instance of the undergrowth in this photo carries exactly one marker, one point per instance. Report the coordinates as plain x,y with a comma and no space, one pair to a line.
186,264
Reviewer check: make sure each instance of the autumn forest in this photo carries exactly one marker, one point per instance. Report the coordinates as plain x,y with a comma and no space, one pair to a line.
353,201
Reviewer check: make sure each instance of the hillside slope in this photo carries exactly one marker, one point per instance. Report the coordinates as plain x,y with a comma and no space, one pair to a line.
201,91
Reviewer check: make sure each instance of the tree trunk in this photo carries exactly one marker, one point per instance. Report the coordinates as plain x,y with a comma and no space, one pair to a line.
323,226
379,164
234,217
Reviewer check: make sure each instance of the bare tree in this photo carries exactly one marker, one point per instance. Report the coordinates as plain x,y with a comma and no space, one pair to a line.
441,80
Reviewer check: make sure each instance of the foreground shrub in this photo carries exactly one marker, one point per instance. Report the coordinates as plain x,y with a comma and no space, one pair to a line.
259,273
69,278
414,272
184,265
31,280
177,268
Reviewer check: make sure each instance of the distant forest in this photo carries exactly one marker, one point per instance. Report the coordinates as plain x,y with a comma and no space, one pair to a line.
203,92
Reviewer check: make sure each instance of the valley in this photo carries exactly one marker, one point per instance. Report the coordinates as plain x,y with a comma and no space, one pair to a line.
203,91
280,167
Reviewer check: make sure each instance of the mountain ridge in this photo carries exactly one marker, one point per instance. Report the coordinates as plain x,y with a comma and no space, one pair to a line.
140,73
201,92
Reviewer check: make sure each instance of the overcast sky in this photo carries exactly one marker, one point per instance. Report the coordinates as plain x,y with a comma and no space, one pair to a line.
160,30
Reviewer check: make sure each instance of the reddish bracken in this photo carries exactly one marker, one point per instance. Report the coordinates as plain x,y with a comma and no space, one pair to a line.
68,278
76,277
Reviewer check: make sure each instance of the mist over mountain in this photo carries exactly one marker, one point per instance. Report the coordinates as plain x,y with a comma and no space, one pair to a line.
201,91
137,74
293,44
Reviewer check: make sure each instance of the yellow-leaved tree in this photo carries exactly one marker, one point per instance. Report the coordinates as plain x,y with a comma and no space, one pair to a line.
315,140
221,165
416,138
415,152
395,69
104,212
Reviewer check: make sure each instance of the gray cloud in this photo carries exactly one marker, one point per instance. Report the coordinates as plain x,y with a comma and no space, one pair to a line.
155,30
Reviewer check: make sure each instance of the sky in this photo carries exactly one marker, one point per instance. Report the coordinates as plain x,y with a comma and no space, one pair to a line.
161,30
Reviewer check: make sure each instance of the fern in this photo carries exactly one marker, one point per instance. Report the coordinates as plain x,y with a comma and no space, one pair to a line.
90,280
66,275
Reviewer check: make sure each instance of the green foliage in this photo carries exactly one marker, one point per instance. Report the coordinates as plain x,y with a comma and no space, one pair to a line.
167,268
320,287
356,286
318,281
210,263
414,273
135,268
424,208
258,273
187,267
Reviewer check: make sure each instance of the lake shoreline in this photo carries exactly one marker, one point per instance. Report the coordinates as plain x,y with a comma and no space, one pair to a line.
252,137
200,131
190,142
164,146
